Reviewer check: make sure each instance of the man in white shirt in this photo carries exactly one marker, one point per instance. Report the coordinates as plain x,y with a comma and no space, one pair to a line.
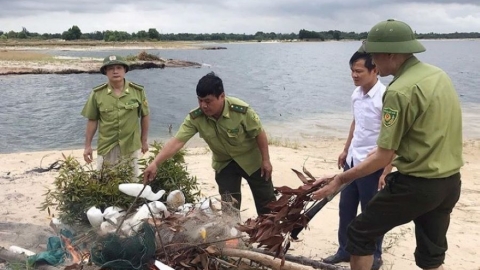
362,139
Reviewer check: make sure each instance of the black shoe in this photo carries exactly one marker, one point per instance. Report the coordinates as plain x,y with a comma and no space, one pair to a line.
336,258
377,263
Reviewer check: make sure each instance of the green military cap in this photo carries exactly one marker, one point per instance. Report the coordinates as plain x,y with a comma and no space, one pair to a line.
391,36
113,60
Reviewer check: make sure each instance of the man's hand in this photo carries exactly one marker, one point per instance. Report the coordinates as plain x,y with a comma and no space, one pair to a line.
266,170
330,188
88,154
342,159
381,182
144,147
149,173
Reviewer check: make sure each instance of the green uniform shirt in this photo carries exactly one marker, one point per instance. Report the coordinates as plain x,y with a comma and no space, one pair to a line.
231,137
422,121
118,117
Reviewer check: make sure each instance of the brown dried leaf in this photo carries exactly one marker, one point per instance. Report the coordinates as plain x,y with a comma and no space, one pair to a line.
205,261
184,264
196,260
290,191
288,227
266,233
245,228
275,248
281,214
274,240
301,176
309,175
266,222
282,201
212,250
295,211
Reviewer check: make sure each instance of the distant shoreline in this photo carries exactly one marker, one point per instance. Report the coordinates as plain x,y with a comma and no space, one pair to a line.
93,45
21,62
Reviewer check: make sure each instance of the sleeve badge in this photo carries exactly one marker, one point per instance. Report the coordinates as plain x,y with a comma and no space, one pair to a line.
389,116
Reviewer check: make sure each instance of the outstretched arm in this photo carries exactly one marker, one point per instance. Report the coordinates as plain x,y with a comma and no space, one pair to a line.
169,150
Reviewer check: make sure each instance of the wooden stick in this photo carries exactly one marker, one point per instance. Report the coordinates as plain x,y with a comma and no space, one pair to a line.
129,209
157,230
267,260
305,261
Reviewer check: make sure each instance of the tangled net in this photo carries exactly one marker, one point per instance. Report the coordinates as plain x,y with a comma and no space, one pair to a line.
189,239
198,237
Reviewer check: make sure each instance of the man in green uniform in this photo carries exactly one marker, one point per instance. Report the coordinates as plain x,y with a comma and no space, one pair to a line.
115,108
236,138
422,125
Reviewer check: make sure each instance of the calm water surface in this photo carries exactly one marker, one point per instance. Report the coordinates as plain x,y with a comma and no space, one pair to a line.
300,90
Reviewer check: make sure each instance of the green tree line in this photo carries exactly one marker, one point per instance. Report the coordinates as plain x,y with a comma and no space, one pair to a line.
152,34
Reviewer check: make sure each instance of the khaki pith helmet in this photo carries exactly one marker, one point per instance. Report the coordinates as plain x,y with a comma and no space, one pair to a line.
113,60
391,36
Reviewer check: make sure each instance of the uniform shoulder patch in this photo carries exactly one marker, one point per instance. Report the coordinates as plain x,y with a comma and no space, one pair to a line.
389,116
238,108
136,86
196,113
100,87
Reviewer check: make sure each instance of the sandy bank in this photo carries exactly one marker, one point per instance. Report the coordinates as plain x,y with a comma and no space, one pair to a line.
21,223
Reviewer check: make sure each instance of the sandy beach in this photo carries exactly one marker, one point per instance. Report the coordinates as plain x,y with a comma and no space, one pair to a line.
23,224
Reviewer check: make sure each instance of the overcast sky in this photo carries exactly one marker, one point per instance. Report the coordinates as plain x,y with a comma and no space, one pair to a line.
236,16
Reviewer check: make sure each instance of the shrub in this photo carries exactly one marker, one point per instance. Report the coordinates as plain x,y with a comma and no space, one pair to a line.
79,187
173,174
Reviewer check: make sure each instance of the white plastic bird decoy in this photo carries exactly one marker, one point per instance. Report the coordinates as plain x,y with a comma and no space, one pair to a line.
95,216
133,190
113,212
162,266
185,208
175,199
107,228
158,207
138,218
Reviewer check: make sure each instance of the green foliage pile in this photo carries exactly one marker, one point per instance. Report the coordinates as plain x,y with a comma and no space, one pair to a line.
173,174
79,187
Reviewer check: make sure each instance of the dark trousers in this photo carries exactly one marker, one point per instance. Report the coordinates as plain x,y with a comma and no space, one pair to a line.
229,181
428,202
360,191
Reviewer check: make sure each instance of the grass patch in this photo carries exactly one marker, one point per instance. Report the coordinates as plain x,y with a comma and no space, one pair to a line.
23,56
283,142
143,56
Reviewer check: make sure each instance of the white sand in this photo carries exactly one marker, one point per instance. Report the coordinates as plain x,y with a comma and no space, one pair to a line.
21,223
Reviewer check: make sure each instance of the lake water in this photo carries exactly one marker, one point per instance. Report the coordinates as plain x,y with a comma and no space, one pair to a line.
300,90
